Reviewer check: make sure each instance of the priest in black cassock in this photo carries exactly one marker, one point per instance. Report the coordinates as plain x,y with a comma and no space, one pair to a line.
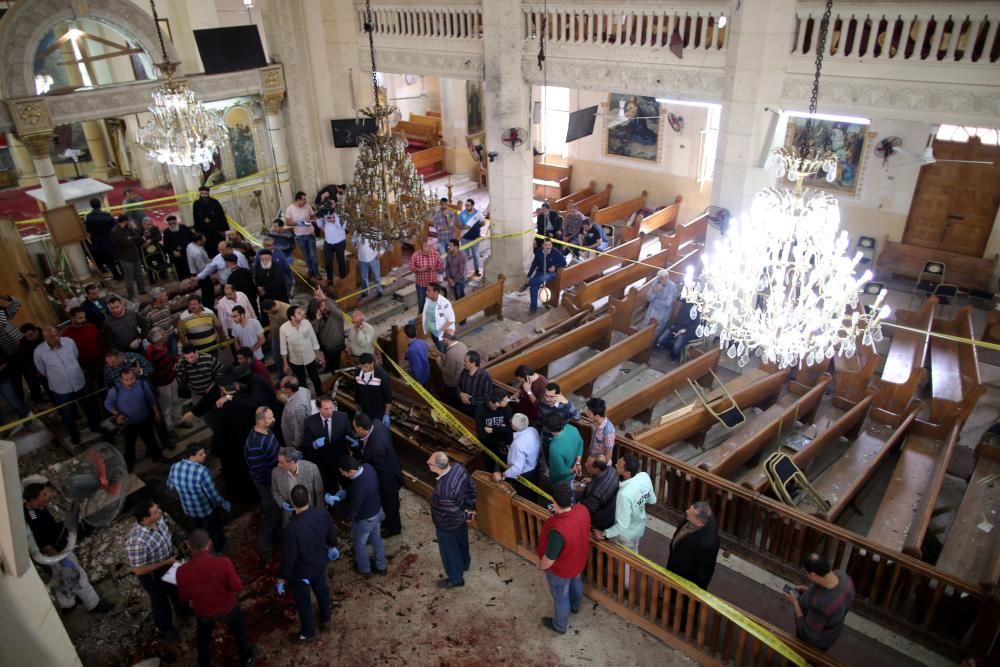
210,220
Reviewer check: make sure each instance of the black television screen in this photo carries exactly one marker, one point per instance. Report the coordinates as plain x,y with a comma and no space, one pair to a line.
347,131
231,49
581,123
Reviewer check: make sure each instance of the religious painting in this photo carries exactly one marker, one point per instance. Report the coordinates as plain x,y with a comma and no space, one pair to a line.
847,140
474,107
633,127
239,122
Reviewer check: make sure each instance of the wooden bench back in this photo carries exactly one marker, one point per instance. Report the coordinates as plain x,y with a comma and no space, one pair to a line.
664,219
955,382
429,157
416,131
617,212
596,333
614,283
591,268
597,199
641,403
580,379
487,299
904,363
853,374
551,172
962,270
626,309
563,203
430,121
391,259
692,231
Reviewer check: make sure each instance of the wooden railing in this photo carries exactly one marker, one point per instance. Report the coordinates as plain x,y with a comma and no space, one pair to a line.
650,26
920,33
650,600
448,22
942,611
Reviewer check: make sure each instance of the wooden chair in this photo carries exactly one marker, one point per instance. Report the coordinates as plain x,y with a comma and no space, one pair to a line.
732,417
784,476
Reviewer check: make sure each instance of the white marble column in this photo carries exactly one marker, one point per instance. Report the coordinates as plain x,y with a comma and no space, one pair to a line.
507,97
755,67
26,175
276,135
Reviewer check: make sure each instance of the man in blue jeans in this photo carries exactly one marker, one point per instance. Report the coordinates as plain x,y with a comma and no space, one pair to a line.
563,551
309,542
453,505
366,515
543,269
299,219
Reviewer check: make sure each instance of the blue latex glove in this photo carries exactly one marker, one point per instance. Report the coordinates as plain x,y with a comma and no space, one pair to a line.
385,421
341,495
280,587
226,506
305,581
353,442
67,564
287,507
319,442
333,553
331,499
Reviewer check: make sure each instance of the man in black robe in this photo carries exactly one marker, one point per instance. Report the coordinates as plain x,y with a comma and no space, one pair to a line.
210,220
176,238
99,224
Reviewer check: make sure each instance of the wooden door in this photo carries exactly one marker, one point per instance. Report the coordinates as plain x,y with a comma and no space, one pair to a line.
955,205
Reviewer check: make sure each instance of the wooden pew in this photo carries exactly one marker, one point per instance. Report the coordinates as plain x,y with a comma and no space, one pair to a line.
747,390
580,379
597,199
908,504
848,425
617,213
970,553
664,219
904,364
852,375
563,203
429,157
433,122
691,232
433,114
627,309
596,333
955,383
614,283
488,300
417,133
729,456
591,268
391,259
963,270
640,404
808,376
550,181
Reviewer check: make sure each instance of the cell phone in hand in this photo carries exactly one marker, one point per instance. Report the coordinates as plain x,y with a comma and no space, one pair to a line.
787,588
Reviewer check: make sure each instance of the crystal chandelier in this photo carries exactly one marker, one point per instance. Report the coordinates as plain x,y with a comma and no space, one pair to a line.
780,285
387,201
181,131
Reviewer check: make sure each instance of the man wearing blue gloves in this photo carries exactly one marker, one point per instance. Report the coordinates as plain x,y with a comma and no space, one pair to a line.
310,542
292,471
200,500
324,440
375,448
373,389
366,515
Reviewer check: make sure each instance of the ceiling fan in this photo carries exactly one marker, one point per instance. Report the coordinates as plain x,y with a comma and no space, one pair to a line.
892,145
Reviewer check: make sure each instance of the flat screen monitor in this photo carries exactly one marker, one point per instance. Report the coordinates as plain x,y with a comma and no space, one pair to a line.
231,49
581,123
347,131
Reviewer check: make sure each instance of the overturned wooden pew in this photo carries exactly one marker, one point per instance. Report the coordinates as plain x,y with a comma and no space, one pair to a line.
955,383
640,405
580,379
747,390
664,220
904,364
591,268
596,333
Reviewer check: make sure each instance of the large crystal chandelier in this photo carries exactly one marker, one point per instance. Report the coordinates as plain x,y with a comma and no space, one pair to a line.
387,201
779,285
181,132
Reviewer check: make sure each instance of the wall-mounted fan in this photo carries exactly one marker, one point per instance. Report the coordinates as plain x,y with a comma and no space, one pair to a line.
719,217
891,147
514,137
676,122
886,147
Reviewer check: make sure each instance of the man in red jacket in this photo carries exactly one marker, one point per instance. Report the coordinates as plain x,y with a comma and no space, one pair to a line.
89,342
562,553
211,584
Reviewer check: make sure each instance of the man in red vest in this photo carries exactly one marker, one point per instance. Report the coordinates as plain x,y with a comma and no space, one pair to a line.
562,552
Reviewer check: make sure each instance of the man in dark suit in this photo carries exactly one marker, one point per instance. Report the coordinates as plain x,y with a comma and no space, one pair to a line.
695,545
377,450
324,441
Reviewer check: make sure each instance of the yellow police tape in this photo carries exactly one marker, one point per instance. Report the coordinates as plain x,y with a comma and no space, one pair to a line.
36,415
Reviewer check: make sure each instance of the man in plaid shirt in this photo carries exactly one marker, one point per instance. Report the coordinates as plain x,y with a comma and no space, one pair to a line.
445,223
199,497
150,553
426,264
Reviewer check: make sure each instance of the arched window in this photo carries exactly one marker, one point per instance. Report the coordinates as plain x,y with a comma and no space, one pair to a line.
86,53
988,136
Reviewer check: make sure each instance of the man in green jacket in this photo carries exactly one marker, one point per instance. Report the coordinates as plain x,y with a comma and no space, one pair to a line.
565,449
634,493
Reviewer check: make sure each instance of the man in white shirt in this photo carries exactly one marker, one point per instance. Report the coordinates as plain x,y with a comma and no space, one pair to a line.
439,316
57,360
522,456
197,259
334,241
218,264
299,217
368,263
300,349
247,332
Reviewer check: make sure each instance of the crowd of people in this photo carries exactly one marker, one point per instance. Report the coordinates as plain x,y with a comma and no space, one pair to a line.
244,363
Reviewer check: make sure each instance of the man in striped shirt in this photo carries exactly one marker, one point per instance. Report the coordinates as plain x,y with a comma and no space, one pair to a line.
261,453
158,315
196,372
453,505
199,326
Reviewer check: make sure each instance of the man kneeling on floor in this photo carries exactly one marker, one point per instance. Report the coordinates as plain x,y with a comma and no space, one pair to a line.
562,555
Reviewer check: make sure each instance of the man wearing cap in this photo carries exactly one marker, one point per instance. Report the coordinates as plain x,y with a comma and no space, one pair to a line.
209,219
661,297
241,278
176,238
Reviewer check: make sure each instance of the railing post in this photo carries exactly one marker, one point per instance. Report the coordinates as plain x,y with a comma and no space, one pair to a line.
495,511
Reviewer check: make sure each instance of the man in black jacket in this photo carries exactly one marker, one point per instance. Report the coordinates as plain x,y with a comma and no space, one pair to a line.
210,220
242,281
324,440
99,224
176,238
376,449
493,426
373,389
599,496
365,508
309,542
695,545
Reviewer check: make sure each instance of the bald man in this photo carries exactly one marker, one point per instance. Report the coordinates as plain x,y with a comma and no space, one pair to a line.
453,505
360,336
58,361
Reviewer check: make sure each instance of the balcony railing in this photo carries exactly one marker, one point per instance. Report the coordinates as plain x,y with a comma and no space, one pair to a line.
451,22
921,34
653,27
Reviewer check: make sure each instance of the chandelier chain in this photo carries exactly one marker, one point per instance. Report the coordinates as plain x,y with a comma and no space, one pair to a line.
824,29
159,32
370,29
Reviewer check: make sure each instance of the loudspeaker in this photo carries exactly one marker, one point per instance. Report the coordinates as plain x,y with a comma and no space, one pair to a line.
231,49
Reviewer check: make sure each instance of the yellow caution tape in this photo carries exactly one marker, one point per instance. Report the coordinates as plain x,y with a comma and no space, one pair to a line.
36,415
